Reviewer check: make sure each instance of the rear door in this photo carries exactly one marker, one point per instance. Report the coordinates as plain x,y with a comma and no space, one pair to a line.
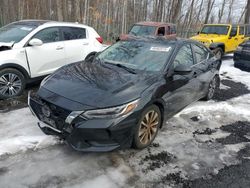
202,69
233,40
181,90
76,43
48,57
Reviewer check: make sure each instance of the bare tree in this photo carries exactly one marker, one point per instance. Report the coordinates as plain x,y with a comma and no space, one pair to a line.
221,11
247,14
229,19
210,5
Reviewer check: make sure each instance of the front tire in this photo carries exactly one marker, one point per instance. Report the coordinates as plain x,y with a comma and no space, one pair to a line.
12,83
147,127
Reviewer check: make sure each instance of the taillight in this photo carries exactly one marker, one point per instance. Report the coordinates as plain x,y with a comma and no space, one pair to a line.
99,39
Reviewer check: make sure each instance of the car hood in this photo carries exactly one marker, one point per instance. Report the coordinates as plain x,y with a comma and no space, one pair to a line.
208,38
98,85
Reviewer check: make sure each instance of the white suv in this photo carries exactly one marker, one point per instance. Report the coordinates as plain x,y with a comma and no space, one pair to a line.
32,49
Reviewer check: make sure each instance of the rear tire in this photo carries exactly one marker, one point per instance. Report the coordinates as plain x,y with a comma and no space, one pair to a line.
147,127
12,83
213,86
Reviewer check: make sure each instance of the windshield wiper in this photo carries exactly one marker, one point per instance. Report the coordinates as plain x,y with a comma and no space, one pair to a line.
130,70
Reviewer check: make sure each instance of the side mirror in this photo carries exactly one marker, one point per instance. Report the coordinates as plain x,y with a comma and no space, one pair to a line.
198,32
35,42
182,69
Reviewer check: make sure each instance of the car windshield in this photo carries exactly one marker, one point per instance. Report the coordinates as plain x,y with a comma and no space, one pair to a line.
214,29
15,32
141,30
137,55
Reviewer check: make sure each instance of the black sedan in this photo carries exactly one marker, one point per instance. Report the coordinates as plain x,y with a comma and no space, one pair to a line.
123,96
242,56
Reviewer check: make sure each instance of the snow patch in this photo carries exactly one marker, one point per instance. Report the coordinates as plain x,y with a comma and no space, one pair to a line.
19,132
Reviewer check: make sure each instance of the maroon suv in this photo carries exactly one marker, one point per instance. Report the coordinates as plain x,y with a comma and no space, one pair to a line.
150,28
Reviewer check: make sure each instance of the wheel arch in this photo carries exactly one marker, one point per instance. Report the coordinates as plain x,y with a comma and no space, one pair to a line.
90,54
161,106
17,67
215,45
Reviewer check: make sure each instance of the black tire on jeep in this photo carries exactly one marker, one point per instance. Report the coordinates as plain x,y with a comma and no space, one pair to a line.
12,83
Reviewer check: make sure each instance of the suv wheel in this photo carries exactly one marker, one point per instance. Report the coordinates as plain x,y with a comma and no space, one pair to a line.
218,53
12,83
147,127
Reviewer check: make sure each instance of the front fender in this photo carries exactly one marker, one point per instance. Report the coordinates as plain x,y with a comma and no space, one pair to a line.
15,58
215,45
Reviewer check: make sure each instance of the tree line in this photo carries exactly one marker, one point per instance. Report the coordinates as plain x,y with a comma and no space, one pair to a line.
112,17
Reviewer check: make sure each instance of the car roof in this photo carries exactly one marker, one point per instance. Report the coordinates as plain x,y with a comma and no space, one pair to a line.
157,24
47,22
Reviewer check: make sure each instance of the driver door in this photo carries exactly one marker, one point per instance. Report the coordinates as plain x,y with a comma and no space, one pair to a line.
181,87
48,57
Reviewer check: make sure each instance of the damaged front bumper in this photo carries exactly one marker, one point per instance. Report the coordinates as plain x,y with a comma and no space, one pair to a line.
82,134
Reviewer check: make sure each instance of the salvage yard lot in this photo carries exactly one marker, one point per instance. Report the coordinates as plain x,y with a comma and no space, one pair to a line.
207,144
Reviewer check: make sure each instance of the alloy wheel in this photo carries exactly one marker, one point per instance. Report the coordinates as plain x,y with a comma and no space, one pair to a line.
148,127
212,88
10,84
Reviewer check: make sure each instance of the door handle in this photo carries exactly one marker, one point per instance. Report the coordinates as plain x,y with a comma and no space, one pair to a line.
85,43
59,47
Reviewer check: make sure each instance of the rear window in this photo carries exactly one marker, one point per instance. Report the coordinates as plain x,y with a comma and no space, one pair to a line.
247,32
73,33
173,29
201,53
241,32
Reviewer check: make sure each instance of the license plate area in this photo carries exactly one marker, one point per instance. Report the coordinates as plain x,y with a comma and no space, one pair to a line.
48,121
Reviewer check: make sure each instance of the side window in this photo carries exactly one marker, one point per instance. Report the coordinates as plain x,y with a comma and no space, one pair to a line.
173,30
73,33
241,32
233,32
247,30
161,31
200,53
48,35
184,56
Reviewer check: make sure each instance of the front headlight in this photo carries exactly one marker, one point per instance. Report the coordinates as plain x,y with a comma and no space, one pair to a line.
113,112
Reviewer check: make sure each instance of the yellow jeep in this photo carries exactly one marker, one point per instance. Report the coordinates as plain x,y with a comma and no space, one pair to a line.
223,38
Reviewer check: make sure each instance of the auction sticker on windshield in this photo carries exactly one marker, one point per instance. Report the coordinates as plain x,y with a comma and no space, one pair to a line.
160,49
26,28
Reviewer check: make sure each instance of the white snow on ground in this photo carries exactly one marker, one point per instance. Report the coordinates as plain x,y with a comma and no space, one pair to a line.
193,155
196,155
19,132
236,74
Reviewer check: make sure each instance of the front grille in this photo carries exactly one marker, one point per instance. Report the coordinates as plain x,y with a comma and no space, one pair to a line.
246,49
57,116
